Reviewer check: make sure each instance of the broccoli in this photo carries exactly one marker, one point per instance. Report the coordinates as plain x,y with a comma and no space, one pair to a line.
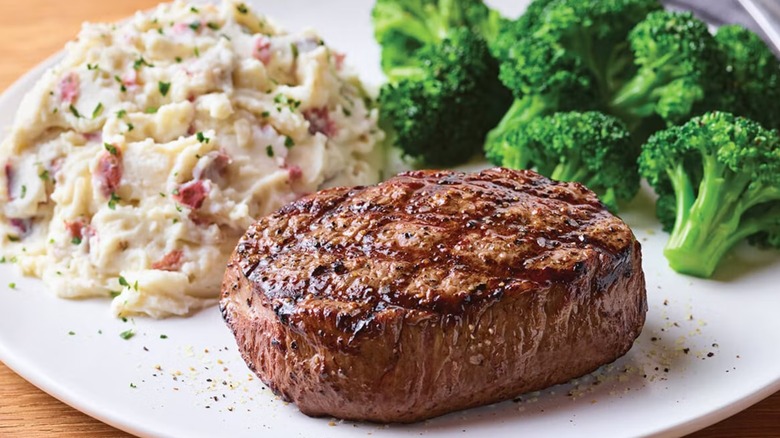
678,64
569,55
752,87
590,147
401,27
718,182
441,110
512,31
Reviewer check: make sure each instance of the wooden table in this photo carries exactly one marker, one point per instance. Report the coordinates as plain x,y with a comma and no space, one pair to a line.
30,31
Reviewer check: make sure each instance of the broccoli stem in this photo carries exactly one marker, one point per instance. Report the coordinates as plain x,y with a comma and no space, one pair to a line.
635,99
708,225
521,112
570,170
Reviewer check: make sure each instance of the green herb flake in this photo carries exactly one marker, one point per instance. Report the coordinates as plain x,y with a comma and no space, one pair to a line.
114,293
100,332
110,148
74,111
132,385
202,138
98,110
151,110
121,113
130,127
196,51
178,208
195,25
163,336
12,238
127,334
44,175
71,333
55,110
288,142
265,114
121,83
164,87
241,8
113,201
135,285
24,191
175,220
269,150
346,112
140,62
76,241
193,9
212,25
294,48
123,282
11,285
159,30
178,59
92,66
2,259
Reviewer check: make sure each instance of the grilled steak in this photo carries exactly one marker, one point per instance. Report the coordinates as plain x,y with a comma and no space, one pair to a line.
432,292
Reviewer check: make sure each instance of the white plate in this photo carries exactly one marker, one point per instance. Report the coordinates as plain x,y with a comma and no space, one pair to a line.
195,384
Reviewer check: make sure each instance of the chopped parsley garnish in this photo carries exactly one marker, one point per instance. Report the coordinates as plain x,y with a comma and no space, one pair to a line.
130,127
265,114
92,66
71,333
195,25
127,334
175,192
212,25
193,9
121,113
151,110
2,259
132,385
114,293
346,112
76,241
123,282
178,59
24,191
162,195
242,8
288,142
135,285
178,208
44,175
98,110
294,48
55,110
196,51
110,148
122,87
140,62
12,285
163,336
74,111
112,202
225,36
269,150
202,138
164,87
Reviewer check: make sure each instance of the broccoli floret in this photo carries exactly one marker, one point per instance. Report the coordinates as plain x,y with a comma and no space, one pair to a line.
753,76
441,110
544,79
512,31
718,182
567,55
590,147
678,64
401,27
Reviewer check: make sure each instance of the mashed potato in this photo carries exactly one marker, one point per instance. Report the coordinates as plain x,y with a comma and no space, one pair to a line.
136,163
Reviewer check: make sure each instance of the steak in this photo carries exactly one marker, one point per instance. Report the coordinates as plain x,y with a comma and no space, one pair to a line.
432,292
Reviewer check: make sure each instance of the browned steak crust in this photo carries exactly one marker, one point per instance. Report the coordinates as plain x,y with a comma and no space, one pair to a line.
432,292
